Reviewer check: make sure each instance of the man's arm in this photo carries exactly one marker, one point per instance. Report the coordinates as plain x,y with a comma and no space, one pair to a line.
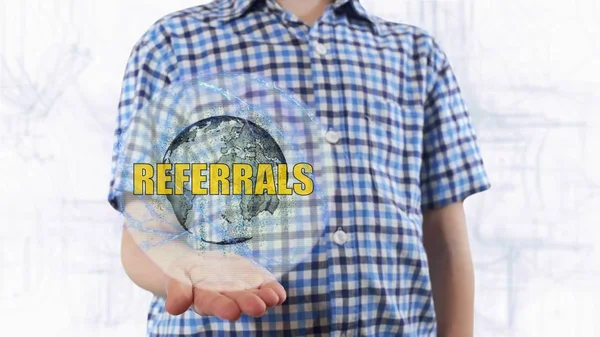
144,272
188,278
452,170
451,269
224,285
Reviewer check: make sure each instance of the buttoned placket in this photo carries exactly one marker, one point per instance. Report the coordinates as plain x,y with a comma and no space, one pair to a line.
326,74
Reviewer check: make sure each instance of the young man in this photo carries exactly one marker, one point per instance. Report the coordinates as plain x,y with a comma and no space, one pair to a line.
386,93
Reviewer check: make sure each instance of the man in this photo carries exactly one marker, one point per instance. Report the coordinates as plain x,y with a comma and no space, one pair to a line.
397,243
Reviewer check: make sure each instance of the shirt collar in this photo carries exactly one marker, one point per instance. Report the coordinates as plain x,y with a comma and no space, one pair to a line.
232,9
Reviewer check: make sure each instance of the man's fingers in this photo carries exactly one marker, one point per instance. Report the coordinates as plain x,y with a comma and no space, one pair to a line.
226,295
277,289
179,296
212,303
249,302
268,296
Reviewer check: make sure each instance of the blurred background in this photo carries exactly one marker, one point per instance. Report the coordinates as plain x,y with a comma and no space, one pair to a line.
530,72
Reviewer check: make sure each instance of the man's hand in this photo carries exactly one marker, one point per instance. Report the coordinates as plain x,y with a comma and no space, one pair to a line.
222,285
210,282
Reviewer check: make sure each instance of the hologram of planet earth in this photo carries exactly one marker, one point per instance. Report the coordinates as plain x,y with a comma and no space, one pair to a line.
238,119
225,219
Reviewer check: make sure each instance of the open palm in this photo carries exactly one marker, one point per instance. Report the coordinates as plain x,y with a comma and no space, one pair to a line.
221,284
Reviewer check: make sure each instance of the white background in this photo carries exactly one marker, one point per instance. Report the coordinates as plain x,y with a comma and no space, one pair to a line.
530,72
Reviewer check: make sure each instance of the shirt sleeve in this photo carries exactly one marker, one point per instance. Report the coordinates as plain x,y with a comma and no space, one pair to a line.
150,69
452,167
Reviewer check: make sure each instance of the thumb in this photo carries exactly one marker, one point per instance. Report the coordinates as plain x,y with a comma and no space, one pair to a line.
180,295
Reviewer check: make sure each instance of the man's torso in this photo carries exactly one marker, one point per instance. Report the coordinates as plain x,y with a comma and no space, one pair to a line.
365,80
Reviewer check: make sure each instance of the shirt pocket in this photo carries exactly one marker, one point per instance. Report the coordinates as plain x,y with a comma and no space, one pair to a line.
387,137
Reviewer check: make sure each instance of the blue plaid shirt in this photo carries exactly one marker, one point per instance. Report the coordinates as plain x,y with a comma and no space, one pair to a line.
389,97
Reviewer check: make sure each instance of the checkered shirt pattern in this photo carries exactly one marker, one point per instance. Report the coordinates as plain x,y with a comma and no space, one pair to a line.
407,145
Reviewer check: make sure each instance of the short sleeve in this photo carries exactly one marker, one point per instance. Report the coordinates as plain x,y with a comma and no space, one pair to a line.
452,167
151,67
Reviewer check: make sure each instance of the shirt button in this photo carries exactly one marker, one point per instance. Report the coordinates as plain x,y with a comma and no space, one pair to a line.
332,136
340,237
320,49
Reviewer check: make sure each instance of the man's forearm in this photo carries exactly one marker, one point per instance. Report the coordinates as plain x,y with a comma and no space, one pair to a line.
452,279
140,268
149,269
451,269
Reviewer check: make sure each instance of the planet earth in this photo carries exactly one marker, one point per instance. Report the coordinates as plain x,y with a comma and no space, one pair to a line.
224,219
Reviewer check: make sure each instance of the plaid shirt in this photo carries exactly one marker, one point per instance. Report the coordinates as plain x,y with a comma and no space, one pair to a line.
387,91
